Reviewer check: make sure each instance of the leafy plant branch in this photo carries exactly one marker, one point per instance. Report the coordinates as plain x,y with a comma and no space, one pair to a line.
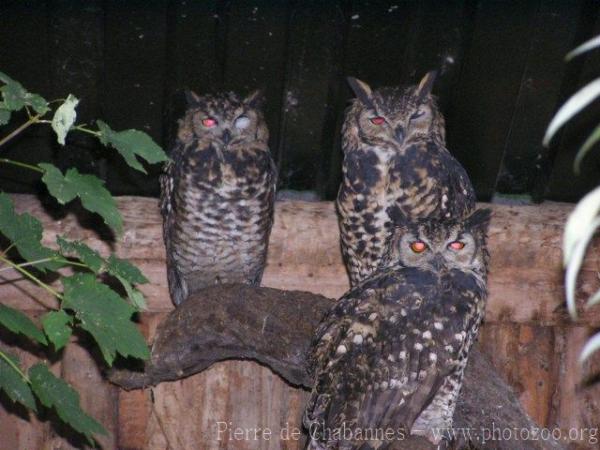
85,301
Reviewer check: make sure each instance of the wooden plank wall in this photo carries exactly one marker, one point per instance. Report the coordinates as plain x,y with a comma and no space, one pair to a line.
502,77
527,334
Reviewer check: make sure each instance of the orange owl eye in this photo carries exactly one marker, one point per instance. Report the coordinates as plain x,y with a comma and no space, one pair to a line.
209,122
456,245
418,246
377,120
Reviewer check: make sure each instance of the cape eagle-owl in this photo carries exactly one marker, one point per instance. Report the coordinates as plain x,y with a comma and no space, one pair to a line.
217,194
390,354
396,168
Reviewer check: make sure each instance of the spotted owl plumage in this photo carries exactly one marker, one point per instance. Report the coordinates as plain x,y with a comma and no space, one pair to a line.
396,169
217,194
390,354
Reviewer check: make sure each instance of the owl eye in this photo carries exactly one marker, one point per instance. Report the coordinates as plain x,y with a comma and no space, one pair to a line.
209,122
242,122
456,245
418,246
417,115
377,120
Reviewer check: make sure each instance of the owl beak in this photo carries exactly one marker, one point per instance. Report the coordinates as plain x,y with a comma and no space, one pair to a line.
226,137
438,262
399,131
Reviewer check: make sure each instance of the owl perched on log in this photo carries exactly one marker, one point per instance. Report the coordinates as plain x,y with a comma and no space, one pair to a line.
217,194
396,168
390,354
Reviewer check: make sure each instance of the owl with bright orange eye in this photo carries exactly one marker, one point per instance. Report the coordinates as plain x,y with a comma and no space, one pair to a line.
217,194
438,244
392,351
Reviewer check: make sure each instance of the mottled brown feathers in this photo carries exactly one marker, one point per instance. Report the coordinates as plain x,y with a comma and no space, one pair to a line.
217,194
389,356
394,172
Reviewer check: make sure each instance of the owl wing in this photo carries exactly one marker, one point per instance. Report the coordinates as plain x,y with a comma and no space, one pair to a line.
384,379
169,182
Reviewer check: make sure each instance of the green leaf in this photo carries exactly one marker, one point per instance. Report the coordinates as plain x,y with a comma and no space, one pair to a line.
57,327
105,315
587,145
135,297
64,118
124,269
25,232
4,116
132,143
17,322
583,48
572,106
55,393
16,96
13,384
89,257
89,188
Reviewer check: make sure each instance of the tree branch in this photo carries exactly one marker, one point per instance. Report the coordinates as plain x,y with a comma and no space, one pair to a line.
275,328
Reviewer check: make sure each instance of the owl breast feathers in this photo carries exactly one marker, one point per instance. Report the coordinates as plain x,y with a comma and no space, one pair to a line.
396,169
390,355
217,195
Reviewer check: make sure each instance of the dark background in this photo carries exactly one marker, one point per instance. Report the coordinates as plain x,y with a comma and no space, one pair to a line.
502,62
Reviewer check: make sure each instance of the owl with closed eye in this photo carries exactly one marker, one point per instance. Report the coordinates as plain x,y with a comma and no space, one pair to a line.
217,194
391,353
396,169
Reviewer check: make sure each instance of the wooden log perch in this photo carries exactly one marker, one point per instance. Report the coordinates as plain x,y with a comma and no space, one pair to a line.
525,282
276,327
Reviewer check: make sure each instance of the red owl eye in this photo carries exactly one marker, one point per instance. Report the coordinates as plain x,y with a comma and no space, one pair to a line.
418,246
456,245
209,122
377,120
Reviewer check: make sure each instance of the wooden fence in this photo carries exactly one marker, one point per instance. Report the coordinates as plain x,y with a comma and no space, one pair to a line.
527,334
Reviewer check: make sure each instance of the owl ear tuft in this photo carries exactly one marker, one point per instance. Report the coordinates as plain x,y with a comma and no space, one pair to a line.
191,98
480,219
255,99
426,85
362,91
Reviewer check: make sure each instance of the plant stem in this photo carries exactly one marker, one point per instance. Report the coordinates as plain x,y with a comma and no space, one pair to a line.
18,130
87,130
39,261
7,249
21,164
32,277
10,362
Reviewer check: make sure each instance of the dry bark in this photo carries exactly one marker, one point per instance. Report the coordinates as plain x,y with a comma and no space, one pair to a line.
275,328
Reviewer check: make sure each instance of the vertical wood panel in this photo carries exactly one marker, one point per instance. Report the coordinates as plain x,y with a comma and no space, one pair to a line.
553,35
488,88
24,57
134,67
97,397
313,59
76,46
255,54
525,355
192,61
373,55
134,408
563,184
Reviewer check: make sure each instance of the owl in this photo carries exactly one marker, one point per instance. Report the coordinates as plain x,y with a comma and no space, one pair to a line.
396,168
217,194
389,357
